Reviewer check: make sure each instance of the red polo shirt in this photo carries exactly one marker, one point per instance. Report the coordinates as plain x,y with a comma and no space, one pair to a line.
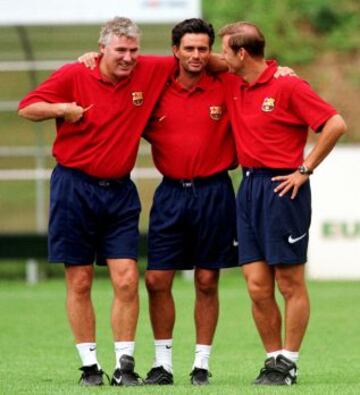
105,141
189,131
270,118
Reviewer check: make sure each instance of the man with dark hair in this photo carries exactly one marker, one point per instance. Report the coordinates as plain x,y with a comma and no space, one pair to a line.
94,206
192,26
192,220
270,119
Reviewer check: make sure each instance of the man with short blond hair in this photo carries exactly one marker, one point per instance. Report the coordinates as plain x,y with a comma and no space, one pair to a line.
270,119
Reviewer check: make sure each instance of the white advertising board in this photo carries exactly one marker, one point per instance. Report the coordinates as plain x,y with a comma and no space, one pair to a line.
334,250
40,12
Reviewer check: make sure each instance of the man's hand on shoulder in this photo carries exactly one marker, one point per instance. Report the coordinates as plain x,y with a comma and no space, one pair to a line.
88,59
217,63
283,71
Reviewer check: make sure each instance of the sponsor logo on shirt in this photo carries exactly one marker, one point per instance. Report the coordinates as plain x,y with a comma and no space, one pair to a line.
137,98
268,104
215,112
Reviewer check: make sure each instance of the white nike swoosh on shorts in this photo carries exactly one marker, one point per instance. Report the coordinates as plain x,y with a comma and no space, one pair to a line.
293,240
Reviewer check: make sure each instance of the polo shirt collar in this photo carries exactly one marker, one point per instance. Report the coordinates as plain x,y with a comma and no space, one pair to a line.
202,84
96,71
265,76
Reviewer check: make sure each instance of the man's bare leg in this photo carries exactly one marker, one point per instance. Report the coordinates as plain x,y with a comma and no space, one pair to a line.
261,287
291,283
80,311
125,308
162,317
161,302
206,314
124,316
79,306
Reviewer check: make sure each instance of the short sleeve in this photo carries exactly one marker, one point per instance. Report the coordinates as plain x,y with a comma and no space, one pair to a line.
56,89
309,106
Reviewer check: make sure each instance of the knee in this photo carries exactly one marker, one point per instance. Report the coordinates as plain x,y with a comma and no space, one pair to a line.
79,282
260,292
156,283
290,285
81,288
126,282
288,289
291,281
207,282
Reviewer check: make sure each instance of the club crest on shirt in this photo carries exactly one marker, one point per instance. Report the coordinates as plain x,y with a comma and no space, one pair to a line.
268,104
137,98
215,112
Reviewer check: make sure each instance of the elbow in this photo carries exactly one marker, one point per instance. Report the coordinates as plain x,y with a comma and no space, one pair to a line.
21,113
342,127
339,125
26,114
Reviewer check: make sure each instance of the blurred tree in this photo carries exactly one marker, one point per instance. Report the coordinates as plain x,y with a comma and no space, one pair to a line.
296,30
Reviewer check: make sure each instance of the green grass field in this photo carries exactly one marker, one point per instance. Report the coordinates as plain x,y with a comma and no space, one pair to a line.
38,356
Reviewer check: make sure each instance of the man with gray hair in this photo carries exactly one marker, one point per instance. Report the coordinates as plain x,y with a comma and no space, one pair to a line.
94,206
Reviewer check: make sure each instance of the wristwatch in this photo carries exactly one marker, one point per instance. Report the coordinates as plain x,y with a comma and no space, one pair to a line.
304,170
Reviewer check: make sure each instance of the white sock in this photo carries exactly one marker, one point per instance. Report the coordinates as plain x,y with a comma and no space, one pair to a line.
202,355
87,353
163,354
273,354
292,355
122,348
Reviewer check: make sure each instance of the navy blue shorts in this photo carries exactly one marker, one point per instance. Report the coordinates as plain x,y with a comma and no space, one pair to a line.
269,227
193,223
92,218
